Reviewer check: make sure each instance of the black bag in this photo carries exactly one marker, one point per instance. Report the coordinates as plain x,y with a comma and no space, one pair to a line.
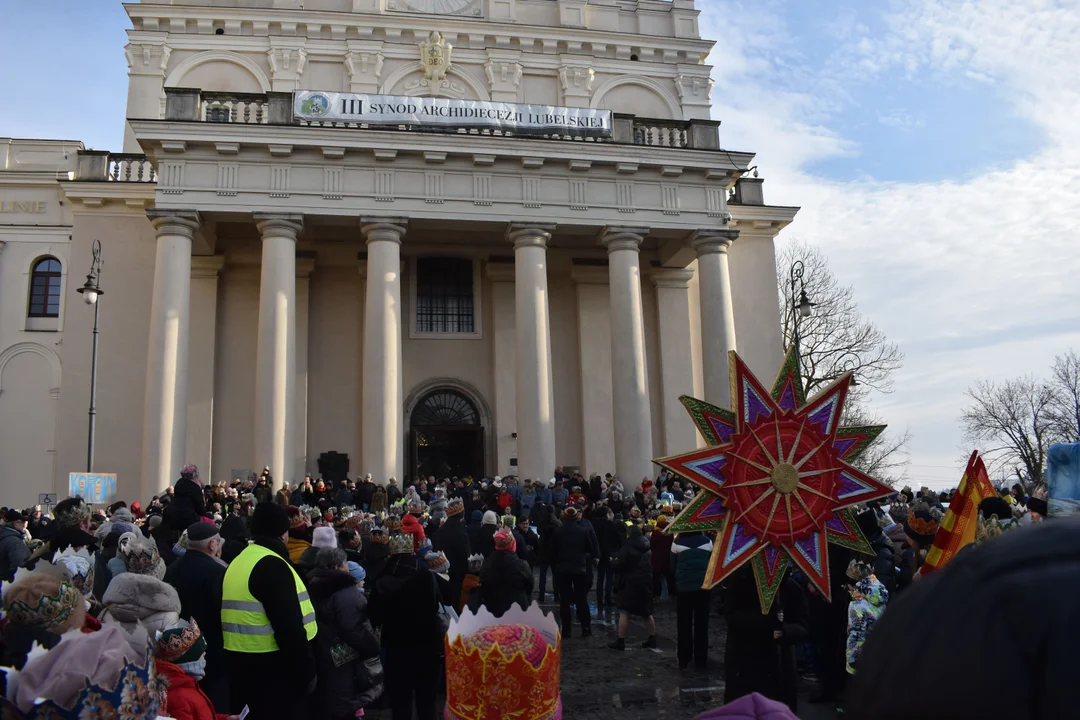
369,673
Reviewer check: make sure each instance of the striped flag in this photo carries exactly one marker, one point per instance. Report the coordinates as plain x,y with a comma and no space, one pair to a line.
957,528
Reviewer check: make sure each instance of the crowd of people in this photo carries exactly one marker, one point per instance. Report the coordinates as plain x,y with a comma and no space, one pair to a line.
337,596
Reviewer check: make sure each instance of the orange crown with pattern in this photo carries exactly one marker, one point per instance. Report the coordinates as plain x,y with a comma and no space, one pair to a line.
505,667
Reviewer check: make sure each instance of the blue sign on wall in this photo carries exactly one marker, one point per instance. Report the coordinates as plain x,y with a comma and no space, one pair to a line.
92,487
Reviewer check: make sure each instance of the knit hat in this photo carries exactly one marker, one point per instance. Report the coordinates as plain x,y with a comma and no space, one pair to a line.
401,545
454,507
437,563
182,643
324,537
504,540
140,555
490,518
995,506
356,570
45,599
103,674
269,520
475,563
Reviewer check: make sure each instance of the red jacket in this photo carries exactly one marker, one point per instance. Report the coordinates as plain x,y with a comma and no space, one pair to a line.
411,526
505,500
184,699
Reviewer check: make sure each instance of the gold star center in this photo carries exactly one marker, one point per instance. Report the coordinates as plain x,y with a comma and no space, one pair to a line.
785,478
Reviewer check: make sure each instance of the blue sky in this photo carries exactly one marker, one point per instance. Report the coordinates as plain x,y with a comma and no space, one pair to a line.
934,146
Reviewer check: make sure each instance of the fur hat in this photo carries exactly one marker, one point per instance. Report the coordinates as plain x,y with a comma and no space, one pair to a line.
45,599
181,644
437,563
490,518
504,540
190,472
455,506
269,520
401,544
324,537
140,555
475,563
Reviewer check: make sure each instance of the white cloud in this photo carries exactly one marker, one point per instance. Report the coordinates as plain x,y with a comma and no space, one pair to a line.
974,278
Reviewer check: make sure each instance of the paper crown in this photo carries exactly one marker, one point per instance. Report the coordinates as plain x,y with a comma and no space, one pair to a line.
140,555
455,506
476,561
505,667
135,695
51,610
401,545
181,644
80,565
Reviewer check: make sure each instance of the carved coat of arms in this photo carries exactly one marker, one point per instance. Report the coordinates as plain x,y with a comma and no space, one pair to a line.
435,57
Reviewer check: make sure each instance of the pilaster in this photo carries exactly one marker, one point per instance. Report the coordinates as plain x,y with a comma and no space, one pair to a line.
205,270
594,341
676,356
504,349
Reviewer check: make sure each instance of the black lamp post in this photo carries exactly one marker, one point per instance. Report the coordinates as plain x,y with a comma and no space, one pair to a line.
801,307
91,291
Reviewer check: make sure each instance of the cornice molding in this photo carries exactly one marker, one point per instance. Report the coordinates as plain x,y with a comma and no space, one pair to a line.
136,197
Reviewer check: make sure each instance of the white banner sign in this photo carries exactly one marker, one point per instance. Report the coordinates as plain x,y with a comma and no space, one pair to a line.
449,113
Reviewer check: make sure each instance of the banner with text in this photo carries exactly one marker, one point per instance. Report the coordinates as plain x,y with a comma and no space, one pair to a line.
92,487
449,113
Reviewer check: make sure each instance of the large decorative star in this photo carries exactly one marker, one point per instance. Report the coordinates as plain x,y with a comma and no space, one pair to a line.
776,482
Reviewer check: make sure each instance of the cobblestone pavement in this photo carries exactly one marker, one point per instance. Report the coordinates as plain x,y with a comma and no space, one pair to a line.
638,684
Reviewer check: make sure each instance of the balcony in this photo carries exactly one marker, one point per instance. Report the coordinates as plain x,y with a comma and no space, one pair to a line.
193,105
104,166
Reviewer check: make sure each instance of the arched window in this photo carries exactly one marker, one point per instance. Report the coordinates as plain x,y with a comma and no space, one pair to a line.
45,288
444,407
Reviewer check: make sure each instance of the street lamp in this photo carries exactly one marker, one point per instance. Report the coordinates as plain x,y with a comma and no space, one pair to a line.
801,307
91,291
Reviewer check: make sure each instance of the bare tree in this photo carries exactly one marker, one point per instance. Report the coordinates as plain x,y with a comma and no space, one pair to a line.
1065,406
837,337
1016,419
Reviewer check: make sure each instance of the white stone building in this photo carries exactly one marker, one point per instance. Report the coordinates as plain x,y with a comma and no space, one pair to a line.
423,300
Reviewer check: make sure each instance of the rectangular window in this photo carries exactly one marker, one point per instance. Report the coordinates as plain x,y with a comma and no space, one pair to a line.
444,295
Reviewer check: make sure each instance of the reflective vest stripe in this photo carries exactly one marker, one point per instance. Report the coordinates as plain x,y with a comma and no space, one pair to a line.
245,626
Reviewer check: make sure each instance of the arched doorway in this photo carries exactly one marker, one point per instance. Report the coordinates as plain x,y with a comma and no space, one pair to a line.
446,438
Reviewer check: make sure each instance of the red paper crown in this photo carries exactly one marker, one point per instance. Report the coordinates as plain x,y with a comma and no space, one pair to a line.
506,667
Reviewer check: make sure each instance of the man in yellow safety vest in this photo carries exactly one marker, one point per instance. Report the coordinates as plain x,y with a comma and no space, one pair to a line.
267,624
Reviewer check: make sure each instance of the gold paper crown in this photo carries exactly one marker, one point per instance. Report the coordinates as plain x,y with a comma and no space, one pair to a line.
49,612
505,667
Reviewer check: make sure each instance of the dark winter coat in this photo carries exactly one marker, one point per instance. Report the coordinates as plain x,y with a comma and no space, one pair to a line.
197,578
753,660
393,494
13,552
1007,671
340,610
235,534
187,506
375,557
405,602
572,547
607,535
528,544
165,537
660,543
633,578
485,540
690,555
505,579
262,492
453,539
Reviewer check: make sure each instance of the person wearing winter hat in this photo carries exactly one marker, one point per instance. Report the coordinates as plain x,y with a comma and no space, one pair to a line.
198,577
410,525
139,596
321,537
275,641
485,542
921,526
634,577
376,552
404,600
39,607
505,578
188,503
572,552
452,538
471,581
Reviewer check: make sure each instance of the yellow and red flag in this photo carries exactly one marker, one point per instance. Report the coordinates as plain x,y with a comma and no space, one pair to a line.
957,528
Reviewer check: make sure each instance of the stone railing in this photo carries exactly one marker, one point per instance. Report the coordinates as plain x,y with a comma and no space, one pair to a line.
104,166
275,108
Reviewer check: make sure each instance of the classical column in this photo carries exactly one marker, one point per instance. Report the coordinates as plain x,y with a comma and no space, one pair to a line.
717,316
382,439
165,411
535,394
676,356
629,380
275,352
304,266
201,366
504,347
594,363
